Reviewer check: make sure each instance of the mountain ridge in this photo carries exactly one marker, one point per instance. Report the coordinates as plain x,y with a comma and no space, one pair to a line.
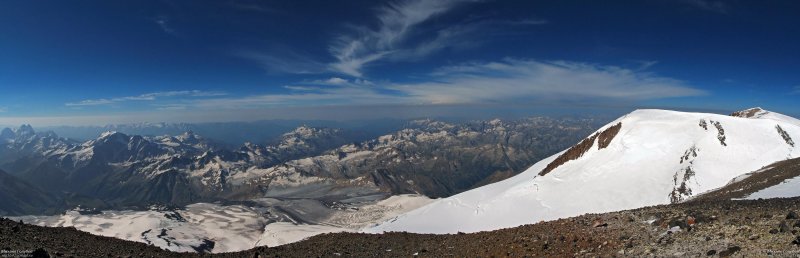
680,155
188,168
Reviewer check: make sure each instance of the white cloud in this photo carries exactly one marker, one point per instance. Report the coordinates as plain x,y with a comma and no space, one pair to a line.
336,81
506,81
406,30
303,96
3,109
501,83
332,81
396,22
300,88
526,80
145,97
646,64
89,102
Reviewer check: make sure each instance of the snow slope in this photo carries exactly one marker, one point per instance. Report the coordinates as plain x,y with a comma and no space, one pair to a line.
787,188
349,220
229,227
657,157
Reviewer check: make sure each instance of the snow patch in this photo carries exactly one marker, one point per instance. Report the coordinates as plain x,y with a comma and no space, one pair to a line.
788,188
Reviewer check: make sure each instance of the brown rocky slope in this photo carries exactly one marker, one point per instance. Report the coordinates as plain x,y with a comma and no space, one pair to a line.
699,228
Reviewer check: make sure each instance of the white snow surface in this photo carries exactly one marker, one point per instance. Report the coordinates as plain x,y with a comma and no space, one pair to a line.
281,233
641,167
786,189
231,227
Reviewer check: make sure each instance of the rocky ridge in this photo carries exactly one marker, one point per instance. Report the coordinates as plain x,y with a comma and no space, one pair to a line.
713,228
430,157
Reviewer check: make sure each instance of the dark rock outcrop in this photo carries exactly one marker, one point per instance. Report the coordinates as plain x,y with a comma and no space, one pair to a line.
604,139
747,113
785,135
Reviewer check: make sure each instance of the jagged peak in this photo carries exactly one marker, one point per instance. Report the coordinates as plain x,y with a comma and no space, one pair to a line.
25,129
430,123
248,146
105,136
307,132
7,133
302,130
189,136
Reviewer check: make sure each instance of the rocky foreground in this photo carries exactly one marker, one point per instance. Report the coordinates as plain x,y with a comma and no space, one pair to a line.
701,228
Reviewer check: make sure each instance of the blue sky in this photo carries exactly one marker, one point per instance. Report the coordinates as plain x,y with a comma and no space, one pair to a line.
95,62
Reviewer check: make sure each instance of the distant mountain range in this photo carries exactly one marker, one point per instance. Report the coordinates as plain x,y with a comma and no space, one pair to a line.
232,134
117,170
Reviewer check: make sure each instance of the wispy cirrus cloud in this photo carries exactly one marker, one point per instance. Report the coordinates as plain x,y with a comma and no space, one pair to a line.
403,35
526,80
397,22
146,97
472,84
338,81
506,81
3,109
334,81
165,24
405,30
304,96
796,90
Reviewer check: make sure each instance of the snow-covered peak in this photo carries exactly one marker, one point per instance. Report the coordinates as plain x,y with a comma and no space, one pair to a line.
302,131
431,124
188,134
25,130
647,157
189,137
110,134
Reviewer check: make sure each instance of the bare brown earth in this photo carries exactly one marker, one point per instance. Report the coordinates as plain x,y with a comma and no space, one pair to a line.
605,137
718,227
